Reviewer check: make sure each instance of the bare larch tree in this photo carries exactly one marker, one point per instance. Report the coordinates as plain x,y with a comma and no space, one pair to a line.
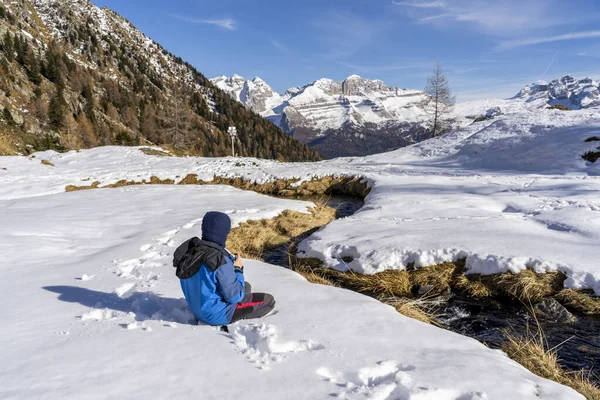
440,101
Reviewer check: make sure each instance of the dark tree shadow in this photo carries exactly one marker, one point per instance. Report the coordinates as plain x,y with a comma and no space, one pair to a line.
145,305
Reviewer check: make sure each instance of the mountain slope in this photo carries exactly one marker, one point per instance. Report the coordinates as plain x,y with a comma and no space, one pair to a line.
357,116
74,75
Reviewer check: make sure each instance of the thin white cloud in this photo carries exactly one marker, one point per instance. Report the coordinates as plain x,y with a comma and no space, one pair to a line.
431,4
510,44
279,45
502,17
434,17
226,23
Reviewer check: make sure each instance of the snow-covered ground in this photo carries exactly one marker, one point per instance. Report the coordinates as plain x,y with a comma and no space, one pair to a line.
509,193
92,308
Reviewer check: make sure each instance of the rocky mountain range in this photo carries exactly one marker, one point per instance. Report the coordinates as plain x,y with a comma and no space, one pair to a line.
73,75
566,91
360,116
356,116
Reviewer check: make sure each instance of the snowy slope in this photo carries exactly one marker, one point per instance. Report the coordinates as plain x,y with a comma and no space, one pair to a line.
509,193
92,310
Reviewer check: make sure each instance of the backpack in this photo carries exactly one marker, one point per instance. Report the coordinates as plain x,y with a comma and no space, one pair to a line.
193,253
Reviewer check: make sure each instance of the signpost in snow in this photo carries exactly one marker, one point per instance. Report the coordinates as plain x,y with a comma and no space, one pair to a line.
233,133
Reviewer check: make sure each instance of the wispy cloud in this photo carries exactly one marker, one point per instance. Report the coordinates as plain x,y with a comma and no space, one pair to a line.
510,44
431,4
279,46
502,17
226,23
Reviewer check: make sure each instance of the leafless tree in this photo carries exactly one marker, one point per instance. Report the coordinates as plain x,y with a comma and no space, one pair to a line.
440,101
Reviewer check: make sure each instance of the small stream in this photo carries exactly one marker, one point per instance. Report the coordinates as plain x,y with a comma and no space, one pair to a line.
577,344
345,206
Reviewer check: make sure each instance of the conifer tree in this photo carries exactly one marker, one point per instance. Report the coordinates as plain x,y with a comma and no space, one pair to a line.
8,47
57,110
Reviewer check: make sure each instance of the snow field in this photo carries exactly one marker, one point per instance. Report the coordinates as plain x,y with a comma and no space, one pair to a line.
506,194
130,334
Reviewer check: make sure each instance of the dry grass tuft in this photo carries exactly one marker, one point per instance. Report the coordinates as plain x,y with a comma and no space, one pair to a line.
529,287
252,238
313,275
74,188
438,277
583,383
531,351
420,309
154,180
155,152
121,183
388,283
46,162
472,285
356,187
579,301
191,179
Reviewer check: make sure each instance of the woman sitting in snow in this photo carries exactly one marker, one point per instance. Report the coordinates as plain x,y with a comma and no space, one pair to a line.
212,279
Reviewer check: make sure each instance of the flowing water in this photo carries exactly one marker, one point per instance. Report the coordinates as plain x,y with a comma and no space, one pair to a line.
577,344
344,207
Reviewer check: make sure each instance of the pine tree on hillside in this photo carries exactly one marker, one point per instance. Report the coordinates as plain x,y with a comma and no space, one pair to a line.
57,110
8,47
33,68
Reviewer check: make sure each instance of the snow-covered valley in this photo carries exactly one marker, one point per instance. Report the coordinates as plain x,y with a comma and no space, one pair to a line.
93,306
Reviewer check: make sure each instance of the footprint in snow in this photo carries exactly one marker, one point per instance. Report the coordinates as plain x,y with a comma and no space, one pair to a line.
387,380
261,345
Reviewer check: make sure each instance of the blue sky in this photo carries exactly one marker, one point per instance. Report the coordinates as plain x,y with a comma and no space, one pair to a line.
489,48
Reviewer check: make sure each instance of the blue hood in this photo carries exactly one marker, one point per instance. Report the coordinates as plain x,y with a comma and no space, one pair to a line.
216,227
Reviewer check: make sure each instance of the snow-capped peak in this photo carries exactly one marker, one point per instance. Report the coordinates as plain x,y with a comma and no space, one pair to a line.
255,94
566,91
326,104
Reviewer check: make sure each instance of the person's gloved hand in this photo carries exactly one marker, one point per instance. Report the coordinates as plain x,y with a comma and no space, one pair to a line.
239,265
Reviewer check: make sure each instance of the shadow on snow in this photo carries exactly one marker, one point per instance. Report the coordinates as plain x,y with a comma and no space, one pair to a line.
145,305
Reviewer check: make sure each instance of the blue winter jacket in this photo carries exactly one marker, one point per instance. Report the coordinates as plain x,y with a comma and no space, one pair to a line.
213,295
212,286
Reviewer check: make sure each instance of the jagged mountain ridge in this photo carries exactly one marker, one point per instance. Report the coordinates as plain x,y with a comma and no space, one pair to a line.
566,91
356,116
360,116
114,85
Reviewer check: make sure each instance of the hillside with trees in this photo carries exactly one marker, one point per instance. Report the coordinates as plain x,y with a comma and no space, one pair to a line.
75,76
